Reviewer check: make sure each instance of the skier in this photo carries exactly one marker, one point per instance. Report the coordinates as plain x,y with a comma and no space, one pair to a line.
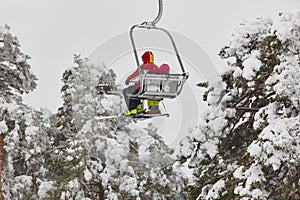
134,105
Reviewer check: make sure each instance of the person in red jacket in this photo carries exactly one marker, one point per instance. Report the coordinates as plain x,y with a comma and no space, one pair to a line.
147,65
134,105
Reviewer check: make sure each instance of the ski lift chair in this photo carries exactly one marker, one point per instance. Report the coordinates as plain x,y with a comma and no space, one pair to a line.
156,86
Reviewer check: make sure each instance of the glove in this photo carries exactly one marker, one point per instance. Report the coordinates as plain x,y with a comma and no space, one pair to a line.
127,82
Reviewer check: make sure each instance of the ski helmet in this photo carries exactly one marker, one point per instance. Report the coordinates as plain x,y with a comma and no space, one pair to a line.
148,57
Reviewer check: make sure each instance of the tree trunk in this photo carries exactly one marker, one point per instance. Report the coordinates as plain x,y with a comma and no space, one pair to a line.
3,157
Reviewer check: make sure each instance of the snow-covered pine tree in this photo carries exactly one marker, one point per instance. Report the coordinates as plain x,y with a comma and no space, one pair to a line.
106,158
70,158
15,75
23,133
248,142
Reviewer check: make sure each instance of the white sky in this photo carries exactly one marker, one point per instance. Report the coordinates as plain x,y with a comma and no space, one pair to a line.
51,31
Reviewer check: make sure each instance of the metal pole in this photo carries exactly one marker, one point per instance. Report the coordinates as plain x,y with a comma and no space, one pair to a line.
174,47
134,47
152,23
160,12
145,25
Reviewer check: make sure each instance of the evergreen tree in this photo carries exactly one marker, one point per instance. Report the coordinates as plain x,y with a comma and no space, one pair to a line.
247,144
15,75
24,136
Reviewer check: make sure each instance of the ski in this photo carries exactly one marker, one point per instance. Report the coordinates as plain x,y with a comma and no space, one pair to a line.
108,117
148,116
137,116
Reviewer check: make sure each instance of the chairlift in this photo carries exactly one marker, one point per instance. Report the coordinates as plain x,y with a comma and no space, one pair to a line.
156,86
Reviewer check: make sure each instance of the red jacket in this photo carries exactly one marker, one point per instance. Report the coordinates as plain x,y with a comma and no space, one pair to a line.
150,67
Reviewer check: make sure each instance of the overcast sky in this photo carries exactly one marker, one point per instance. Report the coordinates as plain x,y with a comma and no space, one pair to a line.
51,31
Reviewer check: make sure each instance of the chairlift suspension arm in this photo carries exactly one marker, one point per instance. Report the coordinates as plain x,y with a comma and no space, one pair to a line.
158,17
175,48
148,25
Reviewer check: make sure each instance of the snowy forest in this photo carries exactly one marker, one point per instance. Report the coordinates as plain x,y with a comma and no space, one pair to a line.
246,145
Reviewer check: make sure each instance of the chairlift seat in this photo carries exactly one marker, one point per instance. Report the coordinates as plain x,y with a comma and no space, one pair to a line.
157,86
